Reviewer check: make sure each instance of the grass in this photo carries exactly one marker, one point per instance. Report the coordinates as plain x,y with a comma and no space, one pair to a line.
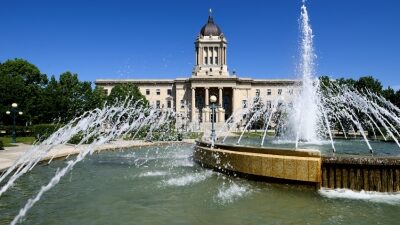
26,140
192,135
254,134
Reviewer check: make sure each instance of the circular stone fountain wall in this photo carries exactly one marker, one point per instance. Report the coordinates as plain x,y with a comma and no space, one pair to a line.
302,166
306,166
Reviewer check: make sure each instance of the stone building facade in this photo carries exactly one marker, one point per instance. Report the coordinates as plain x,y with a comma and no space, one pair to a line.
189,97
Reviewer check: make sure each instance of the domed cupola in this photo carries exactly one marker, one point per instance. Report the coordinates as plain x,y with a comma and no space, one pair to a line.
210,29
210,50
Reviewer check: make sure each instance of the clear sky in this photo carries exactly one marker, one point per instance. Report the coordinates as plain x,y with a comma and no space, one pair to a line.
154,39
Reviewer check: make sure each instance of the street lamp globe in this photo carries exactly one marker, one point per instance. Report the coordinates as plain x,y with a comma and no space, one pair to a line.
8,112
213,99
14,105
20,113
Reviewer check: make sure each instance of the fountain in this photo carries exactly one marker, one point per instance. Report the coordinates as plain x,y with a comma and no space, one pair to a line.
307,121
308,117
161,184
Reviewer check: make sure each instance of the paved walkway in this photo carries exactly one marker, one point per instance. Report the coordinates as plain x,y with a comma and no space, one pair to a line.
10,154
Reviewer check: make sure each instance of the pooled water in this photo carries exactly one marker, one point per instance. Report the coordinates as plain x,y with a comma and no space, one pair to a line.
98,193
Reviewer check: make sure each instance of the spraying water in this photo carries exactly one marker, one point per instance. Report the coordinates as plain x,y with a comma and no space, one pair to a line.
316,109
100,126
305,116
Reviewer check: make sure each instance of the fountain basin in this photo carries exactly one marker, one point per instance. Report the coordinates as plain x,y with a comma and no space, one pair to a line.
368,173
161,185
282,165
308,166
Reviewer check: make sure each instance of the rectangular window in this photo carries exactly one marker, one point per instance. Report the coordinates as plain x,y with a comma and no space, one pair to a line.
257,92
182,104
268,91
147,91
216,59
244,104
291,92
105,91
279,91
269,104
211,60
158,104
169,92
158,92
205,60
169,105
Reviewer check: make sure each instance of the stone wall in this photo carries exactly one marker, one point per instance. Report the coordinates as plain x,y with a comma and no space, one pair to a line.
301,166
361,173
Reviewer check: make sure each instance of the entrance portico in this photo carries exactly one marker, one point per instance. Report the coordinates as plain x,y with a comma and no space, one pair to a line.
201,107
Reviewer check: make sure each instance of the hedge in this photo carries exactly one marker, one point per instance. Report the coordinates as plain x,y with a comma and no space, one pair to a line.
43,131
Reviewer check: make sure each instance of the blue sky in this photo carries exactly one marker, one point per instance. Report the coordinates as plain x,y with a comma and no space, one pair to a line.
154,39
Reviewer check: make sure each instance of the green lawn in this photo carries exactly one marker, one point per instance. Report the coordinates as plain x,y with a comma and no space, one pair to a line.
26,140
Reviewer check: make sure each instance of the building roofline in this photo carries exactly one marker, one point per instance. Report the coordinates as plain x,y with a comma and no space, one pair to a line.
140,81
276,81
172,81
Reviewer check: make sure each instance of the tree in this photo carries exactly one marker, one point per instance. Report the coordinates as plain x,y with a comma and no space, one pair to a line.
348,82
369,83
123,91
20,82
389,94
50,102
29,73
74,96
397,99
97,98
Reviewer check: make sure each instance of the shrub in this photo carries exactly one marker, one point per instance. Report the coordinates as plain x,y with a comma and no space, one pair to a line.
43,131
20,130
1,145
76,139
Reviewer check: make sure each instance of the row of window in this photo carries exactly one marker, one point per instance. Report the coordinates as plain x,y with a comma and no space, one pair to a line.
158,92
158,104
269,92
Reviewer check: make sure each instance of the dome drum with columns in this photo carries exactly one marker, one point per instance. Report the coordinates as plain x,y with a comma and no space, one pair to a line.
210,50
190,97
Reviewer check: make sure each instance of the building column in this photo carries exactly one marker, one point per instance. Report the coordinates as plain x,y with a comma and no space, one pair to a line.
207,106
222,56
197,55
221,111
193,104
201,56
233,99
220,96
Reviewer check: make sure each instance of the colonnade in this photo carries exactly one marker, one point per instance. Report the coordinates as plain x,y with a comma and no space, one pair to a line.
206,111
211,56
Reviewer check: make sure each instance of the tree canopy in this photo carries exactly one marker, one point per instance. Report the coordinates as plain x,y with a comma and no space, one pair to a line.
46,100
120,92
363,84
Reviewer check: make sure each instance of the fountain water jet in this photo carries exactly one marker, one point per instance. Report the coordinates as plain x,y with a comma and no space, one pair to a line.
318,108
305,117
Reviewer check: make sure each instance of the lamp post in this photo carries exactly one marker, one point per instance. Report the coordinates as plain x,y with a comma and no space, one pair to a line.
213,100
13,114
